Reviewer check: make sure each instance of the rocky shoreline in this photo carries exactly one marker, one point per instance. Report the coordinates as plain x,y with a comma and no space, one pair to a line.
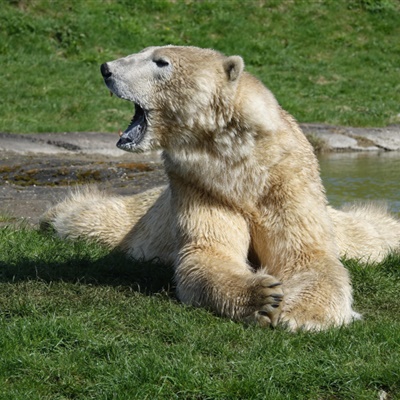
335,138
338,138
37,170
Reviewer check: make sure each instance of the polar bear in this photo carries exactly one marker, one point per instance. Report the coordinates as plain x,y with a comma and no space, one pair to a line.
244,219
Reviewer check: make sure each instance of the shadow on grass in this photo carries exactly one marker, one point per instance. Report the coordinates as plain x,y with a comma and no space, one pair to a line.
81,262
26,254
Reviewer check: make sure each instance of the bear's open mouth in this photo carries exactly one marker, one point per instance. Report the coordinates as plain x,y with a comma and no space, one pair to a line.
134,133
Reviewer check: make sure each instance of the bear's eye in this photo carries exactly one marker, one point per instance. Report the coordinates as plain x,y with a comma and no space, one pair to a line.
161,62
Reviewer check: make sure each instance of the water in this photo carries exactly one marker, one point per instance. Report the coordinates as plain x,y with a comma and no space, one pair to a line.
362,176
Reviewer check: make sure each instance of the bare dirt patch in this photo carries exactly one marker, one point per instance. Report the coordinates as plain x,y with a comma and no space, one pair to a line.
29,184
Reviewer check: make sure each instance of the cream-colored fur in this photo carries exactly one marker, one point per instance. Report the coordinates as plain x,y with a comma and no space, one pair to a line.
245,208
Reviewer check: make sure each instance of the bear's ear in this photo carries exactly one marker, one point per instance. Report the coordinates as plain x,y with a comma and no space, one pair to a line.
233,66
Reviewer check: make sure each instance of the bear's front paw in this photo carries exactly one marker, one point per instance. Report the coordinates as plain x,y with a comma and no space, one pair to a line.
265,301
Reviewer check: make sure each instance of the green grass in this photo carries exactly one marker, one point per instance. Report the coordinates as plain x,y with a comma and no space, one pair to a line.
6,217
326,61
79,322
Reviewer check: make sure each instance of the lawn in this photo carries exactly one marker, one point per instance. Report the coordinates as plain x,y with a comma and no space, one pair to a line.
328,61
79,322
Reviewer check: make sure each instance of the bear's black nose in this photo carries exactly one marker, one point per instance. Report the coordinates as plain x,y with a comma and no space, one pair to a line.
105,71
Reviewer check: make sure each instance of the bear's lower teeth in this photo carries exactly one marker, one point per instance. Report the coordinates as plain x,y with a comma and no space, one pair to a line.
135,132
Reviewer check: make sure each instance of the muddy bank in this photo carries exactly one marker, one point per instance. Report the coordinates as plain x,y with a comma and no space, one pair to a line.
37,170
32,183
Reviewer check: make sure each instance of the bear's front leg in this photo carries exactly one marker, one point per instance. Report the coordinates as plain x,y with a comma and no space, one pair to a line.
212,270
228,288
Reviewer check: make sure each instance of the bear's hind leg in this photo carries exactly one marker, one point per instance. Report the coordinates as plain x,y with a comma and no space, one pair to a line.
318,298
95,215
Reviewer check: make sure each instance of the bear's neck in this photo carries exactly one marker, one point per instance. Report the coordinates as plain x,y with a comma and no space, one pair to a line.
226,167
272,169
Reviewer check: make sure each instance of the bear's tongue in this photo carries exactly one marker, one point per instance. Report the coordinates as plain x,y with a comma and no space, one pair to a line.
134,133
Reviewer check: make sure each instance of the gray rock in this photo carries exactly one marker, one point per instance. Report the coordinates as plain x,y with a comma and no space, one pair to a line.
95,143
356,139
384,138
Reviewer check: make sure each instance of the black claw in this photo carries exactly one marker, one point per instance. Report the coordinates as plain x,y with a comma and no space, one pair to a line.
264,313
275,305
275,285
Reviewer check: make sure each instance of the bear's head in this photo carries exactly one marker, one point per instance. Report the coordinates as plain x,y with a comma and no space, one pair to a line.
176,91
